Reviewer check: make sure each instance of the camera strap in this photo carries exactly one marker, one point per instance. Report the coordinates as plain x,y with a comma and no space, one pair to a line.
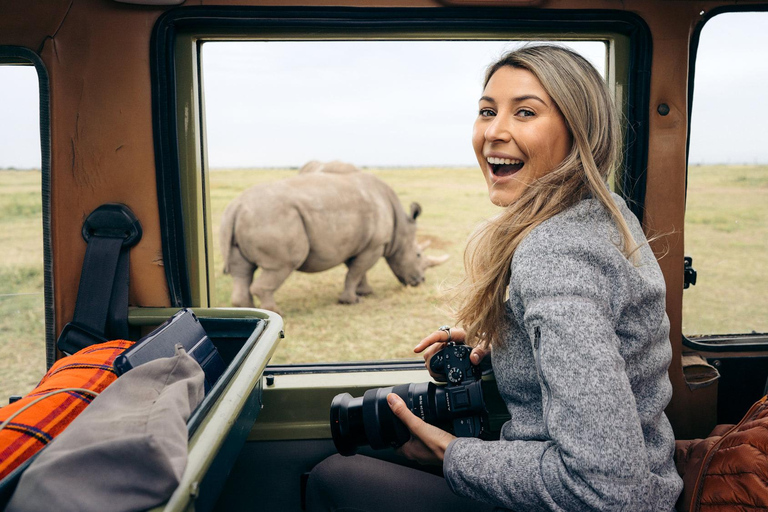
101,310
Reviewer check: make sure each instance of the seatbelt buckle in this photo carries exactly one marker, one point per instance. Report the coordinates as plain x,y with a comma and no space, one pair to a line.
75,337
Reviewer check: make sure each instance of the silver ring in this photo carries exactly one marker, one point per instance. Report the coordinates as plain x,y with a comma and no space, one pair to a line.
447,330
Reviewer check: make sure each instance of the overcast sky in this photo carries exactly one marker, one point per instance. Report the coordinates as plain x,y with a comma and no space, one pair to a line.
367,102
275,104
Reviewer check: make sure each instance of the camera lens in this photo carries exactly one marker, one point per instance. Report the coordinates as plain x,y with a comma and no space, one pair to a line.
368,420
347,423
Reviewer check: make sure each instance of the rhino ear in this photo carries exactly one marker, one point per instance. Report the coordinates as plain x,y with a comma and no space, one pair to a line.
415,211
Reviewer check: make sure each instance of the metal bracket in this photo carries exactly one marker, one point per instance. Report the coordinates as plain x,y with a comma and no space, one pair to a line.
689,273
113,220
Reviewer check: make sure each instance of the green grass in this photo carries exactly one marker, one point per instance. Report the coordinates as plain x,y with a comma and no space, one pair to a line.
22,317
726,234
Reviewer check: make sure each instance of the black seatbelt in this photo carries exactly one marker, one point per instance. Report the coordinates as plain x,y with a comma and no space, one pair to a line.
101,310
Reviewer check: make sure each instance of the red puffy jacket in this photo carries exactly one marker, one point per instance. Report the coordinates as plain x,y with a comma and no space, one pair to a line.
727,471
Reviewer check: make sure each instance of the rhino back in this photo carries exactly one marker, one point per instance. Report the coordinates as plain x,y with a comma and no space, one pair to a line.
338,215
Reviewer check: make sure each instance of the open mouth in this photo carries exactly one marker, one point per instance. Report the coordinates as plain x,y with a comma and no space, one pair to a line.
504,166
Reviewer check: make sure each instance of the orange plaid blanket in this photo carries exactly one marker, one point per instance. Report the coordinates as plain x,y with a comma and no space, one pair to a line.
32,429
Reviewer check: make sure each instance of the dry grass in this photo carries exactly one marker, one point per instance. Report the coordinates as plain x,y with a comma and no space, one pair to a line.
22,318
726,233
387,324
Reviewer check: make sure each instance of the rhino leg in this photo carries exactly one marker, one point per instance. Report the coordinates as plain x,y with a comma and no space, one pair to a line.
267,283
364,288
358,266
242,275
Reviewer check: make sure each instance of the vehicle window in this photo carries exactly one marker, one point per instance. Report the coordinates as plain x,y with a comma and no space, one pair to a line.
399,110
726,226
22,313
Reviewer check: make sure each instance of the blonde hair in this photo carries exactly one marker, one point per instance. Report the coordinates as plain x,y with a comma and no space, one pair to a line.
583,99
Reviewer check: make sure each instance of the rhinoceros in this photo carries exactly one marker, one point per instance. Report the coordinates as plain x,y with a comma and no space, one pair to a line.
314,222
333,167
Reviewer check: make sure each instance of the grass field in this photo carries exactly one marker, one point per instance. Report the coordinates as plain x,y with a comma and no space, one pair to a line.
726,233
22,317
387,324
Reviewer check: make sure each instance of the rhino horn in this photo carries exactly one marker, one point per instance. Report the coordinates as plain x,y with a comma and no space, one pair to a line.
433,261
423,245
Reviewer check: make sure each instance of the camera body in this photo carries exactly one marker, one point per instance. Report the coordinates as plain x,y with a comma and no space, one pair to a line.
453,363
457,406
463,389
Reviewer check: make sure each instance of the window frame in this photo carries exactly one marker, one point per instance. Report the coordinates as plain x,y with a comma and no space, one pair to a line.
716,343
177,85
19,55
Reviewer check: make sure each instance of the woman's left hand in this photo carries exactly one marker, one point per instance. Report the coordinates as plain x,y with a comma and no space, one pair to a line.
428,443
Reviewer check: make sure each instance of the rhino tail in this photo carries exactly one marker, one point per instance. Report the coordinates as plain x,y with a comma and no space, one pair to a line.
227,232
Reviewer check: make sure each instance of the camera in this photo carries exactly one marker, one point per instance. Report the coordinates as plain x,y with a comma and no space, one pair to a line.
457,406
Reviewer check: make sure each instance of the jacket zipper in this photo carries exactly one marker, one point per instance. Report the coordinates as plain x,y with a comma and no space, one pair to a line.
537,359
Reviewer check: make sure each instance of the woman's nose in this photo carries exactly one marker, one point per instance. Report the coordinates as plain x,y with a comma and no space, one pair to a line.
498,130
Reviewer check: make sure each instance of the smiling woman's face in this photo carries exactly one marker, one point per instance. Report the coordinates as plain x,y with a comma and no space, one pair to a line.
519,135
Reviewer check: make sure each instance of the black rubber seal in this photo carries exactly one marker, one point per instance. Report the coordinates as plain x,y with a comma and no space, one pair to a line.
692,54
18,54
747,342
357,22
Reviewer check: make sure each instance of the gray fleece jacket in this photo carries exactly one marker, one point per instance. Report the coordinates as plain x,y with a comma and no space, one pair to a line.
583,371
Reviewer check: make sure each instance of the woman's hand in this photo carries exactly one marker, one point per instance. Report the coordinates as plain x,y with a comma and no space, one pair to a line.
428,443
433,343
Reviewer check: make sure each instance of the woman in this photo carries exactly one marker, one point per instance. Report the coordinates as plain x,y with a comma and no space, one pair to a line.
564,291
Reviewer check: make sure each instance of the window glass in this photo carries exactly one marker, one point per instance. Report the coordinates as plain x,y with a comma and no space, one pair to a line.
726,226
22,314
400,110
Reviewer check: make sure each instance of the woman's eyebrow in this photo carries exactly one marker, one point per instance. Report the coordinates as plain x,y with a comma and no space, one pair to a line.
529,97
517,99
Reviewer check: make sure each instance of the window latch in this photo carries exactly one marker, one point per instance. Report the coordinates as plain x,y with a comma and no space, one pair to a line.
689,273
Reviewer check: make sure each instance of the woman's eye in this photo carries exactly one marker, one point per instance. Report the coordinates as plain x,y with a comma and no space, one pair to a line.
486,112
524,112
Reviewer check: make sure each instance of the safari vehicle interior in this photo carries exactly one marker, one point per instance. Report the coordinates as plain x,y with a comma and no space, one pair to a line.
126,110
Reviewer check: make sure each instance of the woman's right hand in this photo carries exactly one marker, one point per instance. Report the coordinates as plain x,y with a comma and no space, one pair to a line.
433,343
